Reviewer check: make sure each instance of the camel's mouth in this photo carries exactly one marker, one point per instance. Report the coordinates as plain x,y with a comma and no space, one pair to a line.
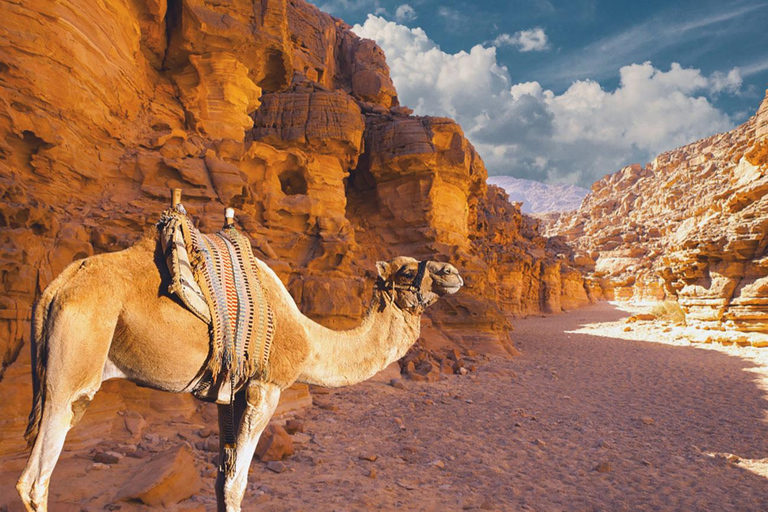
445,278
450,290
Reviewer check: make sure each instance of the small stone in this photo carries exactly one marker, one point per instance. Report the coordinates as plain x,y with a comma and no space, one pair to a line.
438,464
405,484
647,420
126,449
645,463
275,444
276,466
397,383
539,442
486,505
211,444
294,426
462,371
107,457
371,457
301,438
141,453
328,407
627,329
372,473
134,423
603,467
98,465
261,497
518,424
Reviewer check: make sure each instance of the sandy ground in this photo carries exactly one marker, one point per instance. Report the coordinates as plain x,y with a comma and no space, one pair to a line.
590,418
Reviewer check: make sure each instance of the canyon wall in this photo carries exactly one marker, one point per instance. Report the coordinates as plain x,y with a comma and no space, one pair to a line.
689,226
271,107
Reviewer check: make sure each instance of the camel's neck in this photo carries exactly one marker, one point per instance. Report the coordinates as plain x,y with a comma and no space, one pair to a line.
340,358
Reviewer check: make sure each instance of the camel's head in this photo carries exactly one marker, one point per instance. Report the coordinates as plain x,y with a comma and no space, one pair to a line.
414,285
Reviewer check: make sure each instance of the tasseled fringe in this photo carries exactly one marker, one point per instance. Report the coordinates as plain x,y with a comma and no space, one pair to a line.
229,462
225,359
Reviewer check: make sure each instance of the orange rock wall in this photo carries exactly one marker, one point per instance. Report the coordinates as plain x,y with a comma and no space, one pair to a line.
271,107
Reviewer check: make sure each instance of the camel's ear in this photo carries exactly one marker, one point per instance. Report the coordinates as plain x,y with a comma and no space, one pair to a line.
384,269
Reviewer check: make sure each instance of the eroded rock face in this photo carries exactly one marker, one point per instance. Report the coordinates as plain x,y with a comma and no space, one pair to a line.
690,226
271,107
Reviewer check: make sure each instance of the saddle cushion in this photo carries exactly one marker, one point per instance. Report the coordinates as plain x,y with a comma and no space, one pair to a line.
216,276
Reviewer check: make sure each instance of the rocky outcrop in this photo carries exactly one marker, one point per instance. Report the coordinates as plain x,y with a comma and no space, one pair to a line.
271,107
690,226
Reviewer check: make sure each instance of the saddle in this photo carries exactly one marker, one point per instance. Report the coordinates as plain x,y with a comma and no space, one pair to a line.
216,277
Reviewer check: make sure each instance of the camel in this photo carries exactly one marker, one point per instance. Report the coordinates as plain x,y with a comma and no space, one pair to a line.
110,316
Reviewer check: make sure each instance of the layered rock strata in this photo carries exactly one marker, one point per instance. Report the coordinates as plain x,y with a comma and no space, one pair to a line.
271,107
689,226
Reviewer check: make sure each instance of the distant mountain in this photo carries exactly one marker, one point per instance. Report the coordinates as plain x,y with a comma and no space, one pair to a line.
539,197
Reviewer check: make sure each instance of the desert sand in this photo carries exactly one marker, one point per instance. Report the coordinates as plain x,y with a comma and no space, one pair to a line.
592,416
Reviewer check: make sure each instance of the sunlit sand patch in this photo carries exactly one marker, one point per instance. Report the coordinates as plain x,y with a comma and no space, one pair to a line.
756,466
676,335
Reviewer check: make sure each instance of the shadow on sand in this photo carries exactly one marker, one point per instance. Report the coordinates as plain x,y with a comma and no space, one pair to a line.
657,414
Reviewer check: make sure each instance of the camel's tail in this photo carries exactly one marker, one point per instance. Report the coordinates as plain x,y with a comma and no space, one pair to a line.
39,346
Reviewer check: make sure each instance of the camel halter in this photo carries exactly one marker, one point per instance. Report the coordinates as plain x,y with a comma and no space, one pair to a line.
414,286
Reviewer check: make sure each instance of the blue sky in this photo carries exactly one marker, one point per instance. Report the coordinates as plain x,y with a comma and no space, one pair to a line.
570,91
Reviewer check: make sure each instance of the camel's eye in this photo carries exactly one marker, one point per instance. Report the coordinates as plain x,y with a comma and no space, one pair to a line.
409,274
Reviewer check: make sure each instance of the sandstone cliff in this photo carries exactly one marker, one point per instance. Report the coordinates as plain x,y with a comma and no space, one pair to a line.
269,106
689,226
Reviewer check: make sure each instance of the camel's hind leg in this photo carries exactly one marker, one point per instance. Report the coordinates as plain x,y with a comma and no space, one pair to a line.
77,348
261,402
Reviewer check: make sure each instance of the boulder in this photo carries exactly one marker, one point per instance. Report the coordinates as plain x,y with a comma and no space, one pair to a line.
275,444
166,479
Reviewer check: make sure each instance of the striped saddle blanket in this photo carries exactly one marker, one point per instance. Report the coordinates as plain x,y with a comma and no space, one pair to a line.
217,278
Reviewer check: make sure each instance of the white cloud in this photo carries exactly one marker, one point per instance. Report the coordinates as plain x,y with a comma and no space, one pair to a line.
755,67
533,40
452,18
405,13
720,82
646,39
531,132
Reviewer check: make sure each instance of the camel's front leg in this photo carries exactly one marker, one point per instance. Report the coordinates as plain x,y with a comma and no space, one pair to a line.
261,402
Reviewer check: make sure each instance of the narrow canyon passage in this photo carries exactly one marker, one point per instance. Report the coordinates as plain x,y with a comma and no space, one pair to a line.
582,421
